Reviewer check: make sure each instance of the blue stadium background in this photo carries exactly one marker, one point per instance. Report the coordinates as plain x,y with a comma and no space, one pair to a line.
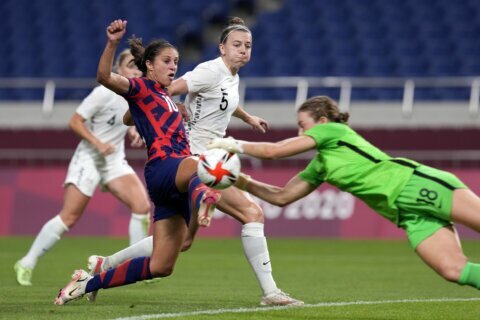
360,38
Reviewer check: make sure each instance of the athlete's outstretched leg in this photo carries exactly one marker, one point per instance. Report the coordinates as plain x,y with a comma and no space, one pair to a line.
168,238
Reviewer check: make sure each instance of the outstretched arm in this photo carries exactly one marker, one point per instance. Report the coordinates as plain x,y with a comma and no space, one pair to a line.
266,150
115,82
281,149
295,189
257,123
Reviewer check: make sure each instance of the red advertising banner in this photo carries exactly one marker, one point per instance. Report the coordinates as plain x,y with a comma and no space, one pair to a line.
30,196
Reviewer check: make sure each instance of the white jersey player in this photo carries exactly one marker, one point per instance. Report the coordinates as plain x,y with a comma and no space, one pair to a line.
212,99
92,165
98,159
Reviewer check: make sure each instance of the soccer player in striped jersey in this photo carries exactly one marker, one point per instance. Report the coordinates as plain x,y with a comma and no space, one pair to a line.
212,99
98,159
423,201
170,171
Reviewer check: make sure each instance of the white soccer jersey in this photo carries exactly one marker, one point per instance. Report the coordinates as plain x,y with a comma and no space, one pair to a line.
212,98
103,111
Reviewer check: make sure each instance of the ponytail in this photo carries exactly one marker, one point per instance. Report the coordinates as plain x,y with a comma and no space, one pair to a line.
138,51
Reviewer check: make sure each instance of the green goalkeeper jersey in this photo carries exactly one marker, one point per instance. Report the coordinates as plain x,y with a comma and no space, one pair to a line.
349,162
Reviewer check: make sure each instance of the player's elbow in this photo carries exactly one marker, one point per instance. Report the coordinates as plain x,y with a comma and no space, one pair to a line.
103,77
75,122
281,200
71,125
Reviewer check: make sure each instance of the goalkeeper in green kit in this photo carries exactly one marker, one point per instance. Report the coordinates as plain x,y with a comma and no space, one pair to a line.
423,201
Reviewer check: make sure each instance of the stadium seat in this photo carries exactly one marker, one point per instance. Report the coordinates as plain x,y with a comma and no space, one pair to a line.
315,38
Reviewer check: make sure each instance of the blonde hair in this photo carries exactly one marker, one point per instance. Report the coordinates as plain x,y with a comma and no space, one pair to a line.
120,58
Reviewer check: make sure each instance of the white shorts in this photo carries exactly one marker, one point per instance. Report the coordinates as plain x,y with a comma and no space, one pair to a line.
86,170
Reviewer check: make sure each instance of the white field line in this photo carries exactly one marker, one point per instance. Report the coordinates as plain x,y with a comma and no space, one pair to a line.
316,305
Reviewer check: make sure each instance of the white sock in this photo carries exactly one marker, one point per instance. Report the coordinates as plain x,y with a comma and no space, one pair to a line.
142,248
46,238
139,227
256,251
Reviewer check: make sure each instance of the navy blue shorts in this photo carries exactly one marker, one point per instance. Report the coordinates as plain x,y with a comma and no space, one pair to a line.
160,178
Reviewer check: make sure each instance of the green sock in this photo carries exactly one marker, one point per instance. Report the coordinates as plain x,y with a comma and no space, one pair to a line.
470,275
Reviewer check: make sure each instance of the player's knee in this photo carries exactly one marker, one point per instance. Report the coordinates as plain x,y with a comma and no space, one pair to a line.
160,271
253,214
141,207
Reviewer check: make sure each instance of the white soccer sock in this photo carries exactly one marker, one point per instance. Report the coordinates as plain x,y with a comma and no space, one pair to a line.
256,251
46,238
139,227
142,248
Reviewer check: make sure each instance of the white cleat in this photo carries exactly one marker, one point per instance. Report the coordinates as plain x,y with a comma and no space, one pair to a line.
207,207
75,289
280,298
95,266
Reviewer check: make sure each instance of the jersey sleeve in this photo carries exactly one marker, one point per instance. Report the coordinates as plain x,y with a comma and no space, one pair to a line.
313,173
325,134
200,79
94,102
135,89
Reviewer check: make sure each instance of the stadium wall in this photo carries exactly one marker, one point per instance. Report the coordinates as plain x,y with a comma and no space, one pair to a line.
29,196
280,114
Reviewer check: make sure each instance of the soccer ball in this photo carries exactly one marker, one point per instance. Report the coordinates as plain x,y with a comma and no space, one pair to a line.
218,169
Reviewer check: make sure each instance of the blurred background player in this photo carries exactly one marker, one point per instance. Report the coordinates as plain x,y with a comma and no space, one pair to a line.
423,201
170,172
212,99
98,159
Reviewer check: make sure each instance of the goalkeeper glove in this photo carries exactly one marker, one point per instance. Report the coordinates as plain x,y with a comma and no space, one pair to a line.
229,144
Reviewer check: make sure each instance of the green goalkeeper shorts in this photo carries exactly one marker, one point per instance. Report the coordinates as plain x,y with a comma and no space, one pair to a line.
425,204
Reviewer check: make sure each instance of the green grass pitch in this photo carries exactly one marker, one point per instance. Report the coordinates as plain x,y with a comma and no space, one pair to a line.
336,279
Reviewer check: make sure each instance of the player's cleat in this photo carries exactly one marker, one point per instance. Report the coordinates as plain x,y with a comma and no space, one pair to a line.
95,266
207,207
75,289
280,298
24,275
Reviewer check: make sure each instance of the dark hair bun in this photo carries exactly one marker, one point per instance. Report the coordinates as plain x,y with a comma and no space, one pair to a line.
343,117
236,20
